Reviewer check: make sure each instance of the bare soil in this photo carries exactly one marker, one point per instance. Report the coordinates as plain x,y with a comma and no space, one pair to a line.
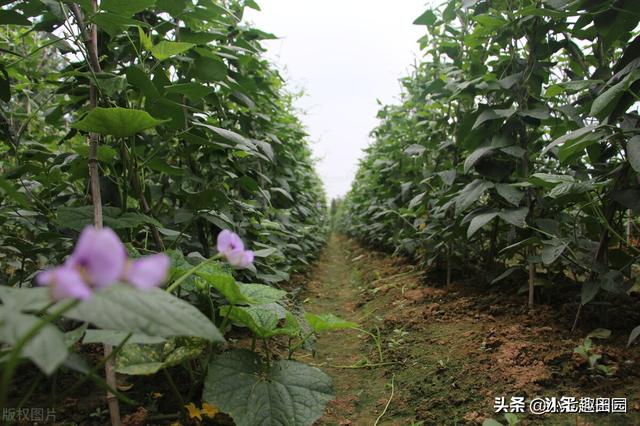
450,350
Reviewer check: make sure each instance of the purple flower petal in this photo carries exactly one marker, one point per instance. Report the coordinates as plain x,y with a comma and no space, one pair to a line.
65,282
239,258
149,271
229,241
100,255
247,258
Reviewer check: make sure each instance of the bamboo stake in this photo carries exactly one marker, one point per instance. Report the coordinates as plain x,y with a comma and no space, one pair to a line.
91,43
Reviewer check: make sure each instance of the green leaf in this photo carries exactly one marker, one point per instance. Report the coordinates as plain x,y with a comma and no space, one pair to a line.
505,274
153,313
415,149
118,122
475,156
428,18
552,250
126,8
265,252
173,7
138,78
515,217
479,221
574,149
145,40
224,283
599,333
490,21
493,114
145,359
114,24
25,299
471,193
604,104
510,193
193,91
262,320
10,17
574,136
633,153
287,393
77,218
166,49
634,335
47,349
326,322
72,337
415,201
589,291
259,294
209,69
548,180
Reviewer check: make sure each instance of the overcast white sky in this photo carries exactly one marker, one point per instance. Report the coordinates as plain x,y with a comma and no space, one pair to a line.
344,54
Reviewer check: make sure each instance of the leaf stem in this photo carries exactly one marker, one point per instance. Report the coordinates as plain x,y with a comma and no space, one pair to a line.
190,272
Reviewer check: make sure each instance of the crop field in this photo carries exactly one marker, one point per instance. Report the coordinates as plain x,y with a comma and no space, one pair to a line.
169,254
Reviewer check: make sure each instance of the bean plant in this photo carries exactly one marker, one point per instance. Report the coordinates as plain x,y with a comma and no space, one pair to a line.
515,149
148,143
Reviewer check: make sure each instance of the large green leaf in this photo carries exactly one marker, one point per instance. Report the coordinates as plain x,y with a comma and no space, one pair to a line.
77,218
287,393
479,221
552,250
126,8
10,17
119,122
224,283
515,217
259,294
113,24
47,349
327,322
209,69
153,312
471,193
607,101
510,193
166,49
428,18
25,299
262,320
145,359
475,156
573,137
137,77
193,91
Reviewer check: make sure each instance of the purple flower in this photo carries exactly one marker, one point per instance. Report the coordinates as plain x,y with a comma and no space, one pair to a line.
99,260
232,248
100,256
148,272
65,282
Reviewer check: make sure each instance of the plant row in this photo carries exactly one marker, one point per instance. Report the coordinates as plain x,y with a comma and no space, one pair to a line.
153,138
515,150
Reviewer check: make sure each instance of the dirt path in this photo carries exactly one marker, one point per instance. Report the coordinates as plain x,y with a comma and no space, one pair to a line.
362,393
451,350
